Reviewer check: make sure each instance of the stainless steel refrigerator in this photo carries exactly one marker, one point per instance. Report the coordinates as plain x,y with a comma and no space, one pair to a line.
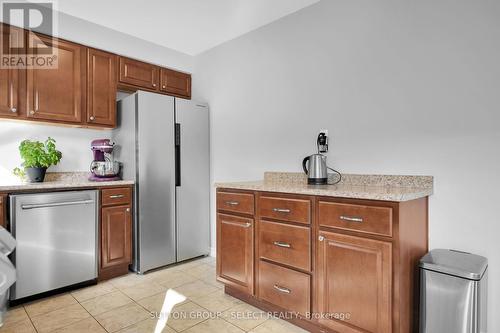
163,143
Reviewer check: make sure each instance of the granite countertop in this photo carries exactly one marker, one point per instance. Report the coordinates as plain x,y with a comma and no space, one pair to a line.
59,180
372,187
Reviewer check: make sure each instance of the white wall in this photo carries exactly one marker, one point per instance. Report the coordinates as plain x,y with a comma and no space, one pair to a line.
93,35
405,87
74,143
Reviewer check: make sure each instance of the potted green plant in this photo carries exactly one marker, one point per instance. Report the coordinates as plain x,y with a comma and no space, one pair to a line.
37,157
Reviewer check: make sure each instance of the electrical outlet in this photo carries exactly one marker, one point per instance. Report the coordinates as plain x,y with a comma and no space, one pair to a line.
323,141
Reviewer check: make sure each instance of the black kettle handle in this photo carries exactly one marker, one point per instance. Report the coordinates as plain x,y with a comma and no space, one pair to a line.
304,161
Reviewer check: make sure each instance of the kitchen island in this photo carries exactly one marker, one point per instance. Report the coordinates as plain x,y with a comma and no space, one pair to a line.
336,258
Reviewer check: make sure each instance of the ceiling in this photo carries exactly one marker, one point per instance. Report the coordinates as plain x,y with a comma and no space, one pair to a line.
188,26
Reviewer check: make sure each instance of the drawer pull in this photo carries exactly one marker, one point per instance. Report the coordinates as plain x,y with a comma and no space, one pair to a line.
237,224
351,219
116,196
281,244
281,210
282,289
232,203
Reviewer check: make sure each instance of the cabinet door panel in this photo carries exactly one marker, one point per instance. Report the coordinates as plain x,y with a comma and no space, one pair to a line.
10,78
101,88
176,83
116,236
354,277
235,251
56,94
139,73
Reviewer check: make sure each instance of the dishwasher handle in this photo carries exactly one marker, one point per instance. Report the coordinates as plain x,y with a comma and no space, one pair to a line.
57,204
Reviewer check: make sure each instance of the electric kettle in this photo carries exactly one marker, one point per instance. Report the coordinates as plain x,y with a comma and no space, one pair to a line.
316,171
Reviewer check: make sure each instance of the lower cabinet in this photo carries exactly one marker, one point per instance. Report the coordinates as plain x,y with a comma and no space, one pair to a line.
326,264
235,251
116,237
354,283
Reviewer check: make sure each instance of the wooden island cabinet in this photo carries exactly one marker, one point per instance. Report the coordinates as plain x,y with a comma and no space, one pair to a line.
332,264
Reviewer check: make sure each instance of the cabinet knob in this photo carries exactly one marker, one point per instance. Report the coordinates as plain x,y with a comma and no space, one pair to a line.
13,110
164,86
128,210
154,84
32,112
92,118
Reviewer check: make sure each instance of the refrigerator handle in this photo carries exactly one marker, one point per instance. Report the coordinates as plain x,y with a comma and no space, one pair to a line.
177,154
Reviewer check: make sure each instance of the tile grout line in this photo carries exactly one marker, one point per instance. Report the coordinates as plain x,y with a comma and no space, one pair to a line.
91,316
29,318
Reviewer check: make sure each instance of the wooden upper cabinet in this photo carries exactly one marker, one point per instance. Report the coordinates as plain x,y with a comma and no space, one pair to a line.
101,88
235,245
116,236
354,277
175,83
57,94
139,74
10,88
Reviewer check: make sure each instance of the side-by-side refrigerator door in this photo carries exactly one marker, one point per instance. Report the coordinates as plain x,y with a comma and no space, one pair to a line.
192,179
156,180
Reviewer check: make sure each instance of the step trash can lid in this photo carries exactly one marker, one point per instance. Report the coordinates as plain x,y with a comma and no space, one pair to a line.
457,263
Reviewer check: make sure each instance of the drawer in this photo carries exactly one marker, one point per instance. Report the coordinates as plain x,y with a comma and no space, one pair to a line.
286,244
360,218
116,196
236,202
285,209
284,287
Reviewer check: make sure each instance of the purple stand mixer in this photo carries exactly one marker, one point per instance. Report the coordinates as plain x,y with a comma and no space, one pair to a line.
103,167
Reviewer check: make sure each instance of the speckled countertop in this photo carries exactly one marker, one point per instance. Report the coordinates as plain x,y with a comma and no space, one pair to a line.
58,180
372,187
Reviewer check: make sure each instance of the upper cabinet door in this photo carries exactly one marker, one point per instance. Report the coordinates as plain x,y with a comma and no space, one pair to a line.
175,83
101,88
57,94
138,73
10,78
354,277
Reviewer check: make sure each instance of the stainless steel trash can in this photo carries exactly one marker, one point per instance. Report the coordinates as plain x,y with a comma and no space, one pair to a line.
453,289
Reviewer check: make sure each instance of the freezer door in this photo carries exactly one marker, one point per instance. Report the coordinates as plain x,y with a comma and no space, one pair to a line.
156,181
193,179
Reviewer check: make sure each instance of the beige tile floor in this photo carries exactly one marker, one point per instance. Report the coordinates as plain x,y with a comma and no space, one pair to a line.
187,295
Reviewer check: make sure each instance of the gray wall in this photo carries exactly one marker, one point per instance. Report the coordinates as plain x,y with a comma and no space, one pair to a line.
404,87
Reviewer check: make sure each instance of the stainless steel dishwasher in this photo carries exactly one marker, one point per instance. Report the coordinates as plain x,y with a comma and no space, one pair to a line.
56,236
